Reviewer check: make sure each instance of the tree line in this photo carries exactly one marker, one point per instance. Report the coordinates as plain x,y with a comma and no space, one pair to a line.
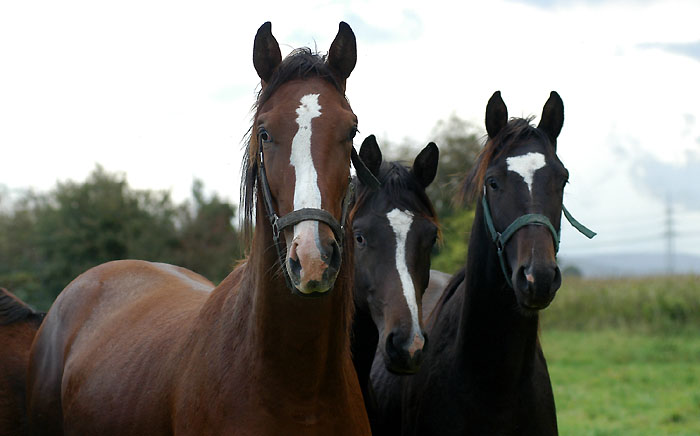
48,239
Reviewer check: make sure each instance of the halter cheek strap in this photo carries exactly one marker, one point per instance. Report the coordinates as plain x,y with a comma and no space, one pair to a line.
278,223
501,238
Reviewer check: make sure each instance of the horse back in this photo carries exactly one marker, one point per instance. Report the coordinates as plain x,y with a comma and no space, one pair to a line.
98,359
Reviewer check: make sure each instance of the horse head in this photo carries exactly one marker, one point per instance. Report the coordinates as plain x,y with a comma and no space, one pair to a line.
521,192
301,144
395,228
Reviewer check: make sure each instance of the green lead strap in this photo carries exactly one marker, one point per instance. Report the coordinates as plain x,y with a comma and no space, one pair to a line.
500,239
577,225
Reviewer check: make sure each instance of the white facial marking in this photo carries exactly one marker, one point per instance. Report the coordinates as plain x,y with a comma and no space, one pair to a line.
526,165
306,192
401,223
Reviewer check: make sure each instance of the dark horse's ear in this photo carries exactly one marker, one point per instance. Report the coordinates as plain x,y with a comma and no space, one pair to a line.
496,115
371,155
266,53
425,165
552,117
342,55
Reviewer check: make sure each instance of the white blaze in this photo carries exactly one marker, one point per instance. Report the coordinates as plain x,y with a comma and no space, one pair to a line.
526,165
306,192
401,223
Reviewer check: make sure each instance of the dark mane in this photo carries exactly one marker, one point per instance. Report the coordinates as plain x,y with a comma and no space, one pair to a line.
399,187
12,308
300,64
515,132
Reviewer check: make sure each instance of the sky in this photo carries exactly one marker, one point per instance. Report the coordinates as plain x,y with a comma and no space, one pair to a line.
161,91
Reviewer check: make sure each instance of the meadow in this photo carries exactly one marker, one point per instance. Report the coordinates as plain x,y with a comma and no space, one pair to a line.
624,356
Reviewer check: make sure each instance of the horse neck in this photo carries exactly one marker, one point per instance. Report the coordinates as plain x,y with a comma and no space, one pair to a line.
295,339
365,337
493,334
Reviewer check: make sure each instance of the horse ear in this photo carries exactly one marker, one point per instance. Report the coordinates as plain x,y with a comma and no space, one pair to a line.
425,165
496,114
371,155
266,53
342,55
552,116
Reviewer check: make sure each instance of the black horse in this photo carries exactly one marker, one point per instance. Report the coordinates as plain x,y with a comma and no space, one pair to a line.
395,228
485,372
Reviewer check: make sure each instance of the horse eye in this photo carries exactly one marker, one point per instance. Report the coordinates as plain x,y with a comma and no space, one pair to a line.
264,136
360,239
492,183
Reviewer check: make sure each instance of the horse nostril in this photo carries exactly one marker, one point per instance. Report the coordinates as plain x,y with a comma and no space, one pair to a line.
523,279
335,259
294,266
391,345
556,282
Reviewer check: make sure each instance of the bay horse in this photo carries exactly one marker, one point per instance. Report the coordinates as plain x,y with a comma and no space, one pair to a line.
395,228
18,325
485,372
133,347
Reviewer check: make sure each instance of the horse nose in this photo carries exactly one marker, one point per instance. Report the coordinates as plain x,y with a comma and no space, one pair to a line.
313,264
538,283
405,354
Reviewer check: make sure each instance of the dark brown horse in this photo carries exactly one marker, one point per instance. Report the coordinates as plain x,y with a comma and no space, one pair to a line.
485,373
133,347
395,228
18,325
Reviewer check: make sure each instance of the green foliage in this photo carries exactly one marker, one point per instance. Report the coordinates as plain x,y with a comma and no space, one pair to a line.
47,240
616,382
459,143
649,304
451,254
208,243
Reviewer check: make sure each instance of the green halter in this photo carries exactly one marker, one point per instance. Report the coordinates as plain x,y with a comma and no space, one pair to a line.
500,239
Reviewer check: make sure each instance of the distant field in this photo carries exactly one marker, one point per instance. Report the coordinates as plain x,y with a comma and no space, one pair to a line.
624,356
647,305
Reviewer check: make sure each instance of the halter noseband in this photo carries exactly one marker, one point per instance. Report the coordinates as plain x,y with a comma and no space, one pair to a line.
501,238
278,223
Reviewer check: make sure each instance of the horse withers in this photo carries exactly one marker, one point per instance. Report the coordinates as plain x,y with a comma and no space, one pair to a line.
485,372
133,347
18,326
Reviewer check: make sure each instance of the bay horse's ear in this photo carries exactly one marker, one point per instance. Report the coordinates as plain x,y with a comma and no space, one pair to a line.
266,53
342,55
425,165
552,117
371,155
496,115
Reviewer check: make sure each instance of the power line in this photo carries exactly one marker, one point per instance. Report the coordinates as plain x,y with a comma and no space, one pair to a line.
669,235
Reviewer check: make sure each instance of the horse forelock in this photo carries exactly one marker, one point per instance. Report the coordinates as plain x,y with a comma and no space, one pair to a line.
399,188
300,64
517,131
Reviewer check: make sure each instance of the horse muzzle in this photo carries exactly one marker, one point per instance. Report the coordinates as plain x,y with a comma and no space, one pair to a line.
536,285
313,260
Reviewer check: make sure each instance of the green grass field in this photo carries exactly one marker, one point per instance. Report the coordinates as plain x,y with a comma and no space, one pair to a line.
620,383
624,356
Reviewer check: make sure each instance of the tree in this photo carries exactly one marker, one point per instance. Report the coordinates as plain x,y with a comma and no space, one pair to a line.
46,240
208,242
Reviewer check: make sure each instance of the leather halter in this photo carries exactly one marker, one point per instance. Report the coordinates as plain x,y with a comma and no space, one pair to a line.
295,217
501,238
